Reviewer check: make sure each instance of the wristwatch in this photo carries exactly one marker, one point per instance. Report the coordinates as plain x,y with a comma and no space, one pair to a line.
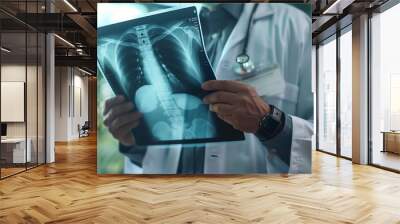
271,124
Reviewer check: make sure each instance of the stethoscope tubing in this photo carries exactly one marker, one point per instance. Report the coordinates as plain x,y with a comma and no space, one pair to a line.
246,66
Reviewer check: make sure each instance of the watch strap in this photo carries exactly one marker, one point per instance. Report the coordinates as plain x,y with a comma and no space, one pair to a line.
271,124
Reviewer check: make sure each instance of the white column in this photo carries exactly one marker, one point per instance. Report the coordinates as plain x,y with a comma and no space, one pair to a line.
50,92
50,100
360,90
314,90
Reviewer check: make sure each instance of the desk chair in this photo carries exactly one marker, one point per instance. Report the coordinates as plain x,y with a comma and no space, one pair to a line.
84,130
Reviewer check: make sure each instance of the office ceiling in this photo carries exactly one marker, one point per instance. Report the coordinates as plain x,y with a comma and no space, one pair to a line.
75,21
23,48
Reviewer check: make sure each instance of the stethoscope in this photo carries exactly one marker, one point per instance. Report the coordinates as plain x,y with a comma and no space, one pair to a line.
244,65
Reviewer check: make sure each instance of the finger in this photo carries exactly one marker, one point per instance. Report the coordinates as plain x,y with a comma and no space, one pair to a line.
221,108
110,103
221,97
128,139
128,118
224,85
227,118
117,111
125,130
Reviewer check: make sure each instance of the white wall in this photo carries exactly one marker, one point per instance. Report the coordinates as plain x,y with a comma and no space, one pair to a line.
13,73
33,126
61,103
70,83
17,73
80,85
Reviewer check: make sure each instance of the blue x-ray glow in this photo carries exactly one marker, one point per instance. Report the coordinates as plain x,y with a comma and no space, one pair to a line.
159,63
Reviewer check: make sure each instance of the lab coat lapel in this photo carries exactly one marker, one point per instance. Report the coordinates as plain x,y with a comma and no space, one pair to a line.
238,33
264,11
237,36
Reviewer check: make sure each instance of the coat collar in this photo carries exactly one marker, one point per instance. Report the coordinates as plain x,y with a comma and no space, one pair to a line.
264,11
234,9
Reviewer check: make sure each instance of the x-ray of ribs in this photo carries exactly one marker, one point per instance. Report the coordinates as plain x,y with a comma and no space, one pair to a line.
163,73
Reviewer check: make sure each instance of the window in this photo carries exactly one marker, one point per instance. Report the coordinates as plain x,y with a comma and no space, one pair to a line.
385,89
327,96
346,93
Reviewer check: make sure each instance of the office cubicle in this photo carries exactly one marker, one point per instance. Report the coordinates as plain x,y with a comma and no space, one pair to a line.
22,77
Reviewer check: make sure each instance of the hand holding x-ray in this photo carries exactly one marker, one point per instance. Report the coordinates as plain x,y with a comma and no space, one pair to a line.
236,103
158,63
120,118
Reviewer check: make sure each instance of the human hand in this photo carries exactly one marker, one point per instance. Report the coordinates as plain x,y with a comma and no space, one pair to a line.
120,118
236,103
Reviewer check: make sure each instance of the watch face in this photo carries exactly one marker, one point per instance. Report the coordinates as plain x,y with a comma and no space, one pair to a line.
276,114
270,122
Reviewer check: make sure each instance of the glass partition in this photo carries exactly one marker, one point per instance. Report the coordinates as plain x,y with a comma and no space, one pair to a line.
41,96
31,97
22,102
14,151
32,90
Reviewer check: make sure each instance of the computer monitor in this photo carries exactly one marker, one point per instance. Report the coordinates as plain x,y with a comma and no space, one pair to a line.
3,130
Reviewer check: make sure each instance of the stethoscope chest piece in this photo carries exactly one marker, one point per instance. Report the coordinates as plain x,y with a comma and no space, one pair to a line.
242,58
244,66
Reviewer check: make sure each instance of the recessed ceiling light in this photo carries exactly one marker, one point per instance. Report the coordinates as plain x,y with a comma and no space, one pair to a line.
5,50
70,5
64,40
337,7
84,71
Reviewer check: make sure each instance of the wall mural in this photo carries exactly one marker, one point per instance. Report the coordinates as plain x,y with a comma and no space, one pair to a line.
162,108
159,63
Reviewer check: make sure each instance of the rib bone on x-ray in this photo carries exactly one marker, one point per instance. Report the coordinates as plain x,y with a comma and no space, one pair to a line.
159,63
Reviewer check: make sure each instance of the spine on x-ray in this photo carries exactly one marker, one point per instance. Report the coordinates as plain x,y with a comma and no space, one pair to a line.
155,74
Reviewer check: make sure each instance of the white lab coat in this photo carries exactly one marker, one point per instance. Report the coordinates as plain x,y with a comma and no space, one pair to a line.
277,37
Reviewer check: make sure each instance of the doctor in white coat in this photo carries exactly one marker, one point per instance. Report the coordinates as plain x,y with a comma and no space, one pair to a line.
278,43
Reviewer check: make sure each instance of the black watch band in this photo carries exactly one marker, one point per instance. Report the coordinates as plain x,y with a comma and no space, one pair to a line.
271,124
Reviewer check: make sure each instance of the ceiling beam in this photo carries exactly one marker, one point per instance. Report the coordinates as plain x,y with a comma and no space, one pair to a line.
84,24
337,6
79,61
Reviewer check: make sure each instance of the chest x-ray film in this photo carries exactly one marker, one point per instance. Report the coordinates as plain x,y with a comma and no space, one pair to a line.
159,63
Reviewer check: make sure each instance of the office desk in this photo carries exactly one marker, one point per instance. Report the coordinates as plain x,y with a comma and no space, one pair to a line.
391,141
13,150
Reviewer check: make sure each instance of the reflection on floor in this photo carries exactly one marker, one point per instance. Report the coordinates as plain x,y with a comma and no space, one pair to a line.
70,191
10,171
387,159
14,169
346,152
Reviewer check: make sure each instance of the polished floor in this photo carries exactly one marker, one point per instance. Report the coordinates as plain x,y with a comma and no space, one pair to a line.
5,172
70,191
387,159
8,171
